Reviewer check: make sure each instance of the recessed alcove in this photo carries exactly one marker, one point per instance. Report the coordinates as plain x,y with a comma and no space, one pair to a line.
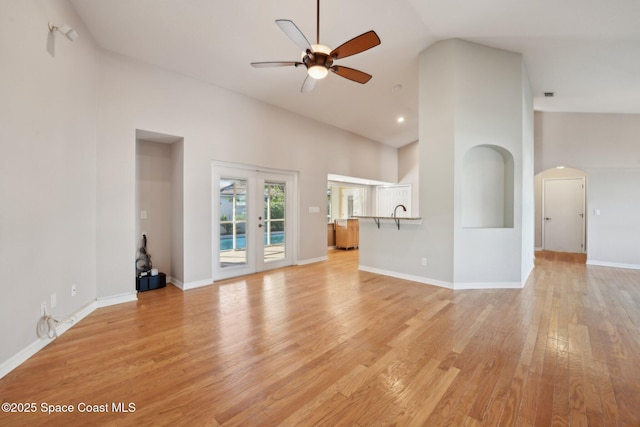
487,187
159,200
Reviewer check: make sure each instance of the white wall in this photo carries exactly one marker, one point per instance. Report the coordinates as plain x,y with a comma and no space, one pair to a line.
487,188
490,110
67,175
587,140
47,168
469,95
216,125
177,213
154,188
528,166
409,172
614,235
605,147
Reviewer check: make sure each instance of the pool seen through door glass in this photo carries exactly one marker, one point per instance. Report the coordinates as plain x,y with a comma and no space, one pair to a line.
251,223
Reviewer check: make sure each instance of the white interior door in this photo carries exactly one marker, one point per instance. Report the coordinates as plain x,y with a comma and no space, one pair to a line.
563,215
253,220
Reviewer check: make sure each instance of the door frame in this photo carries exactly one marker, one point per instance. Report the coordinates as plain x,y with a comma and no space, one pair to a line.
239,170
584,209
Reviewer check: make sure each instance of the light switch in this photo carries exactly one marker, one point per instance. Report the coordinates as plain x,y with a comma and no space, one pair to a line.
314,209
143,214
596,212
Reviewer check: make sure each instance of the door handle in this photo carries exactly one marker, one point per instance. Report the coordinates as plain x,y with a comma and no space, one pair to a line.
547,219
581,215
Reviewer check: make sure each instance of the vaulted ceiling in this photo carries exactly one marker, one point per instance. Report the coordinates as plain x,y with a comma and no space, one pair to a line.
586,51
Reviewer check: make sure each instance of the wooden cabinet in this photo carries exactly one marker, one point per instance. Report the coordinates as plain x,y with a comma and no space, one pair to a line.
347,233
331,234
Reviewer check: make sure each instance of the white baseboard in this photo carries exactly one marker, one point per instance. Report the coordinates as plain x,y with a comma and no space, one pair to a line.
487,285
613,264
117,299
526,275
196,284
419,279
63,326
175,282
312,260
441,283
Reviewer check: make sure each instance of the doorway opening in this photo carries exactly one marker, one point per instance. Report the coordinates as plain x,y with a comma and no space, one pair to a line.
561,206
349,197
159,201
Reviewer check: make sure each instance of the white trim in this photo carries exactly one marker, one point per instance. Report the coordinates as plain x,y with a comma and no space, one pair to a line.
255,175
613,264
538,248
63,326
525,276
419,279
116,299
20,357
312,260
487,285
175,282
441,283
196,284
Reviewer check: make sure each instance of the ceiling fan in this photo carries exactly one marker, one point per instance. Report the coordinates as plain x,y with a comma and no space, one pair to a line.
318,58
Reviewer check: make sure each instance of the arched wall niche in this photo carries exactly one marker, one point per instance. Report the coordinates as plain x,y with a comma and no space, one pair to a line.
487,187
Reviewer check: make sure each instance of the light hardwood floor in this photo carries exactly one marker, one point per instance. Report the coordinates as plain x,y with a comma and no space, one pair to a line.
329,345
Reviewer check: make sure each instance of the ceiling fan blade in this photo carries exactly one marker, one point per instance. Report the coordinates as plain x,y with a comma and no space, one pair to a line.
351,74
356,45
294,33
275,64
308,84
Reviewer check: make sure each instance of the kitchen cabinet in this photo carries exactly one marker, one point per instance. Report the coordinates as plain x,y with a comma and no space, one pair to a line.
347,233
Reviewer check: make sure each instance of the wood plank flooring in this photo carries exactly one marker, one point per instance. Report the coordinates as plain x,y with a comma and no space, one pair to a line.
326,344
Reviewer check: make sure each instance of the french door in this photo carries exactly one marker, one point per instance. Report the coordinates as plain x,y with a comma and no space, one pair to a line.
253,220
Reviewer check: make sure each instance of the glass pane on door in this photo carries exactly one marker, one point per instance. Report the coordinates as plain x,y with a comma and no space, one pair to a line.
233,222
274,221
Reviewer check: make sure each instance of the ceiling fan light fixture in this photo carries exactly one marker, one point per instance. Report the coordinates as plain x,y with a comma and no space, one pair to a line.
318,59
321,48
317,72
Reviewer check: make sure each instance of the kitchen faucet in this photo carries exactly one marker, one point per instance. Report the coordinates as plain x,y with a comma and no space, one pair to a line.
396,208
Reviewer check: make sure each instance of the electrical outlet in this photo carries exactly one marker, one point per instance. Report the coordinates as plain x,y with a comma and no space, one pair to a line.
54,300
424,262
74,290
43,309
